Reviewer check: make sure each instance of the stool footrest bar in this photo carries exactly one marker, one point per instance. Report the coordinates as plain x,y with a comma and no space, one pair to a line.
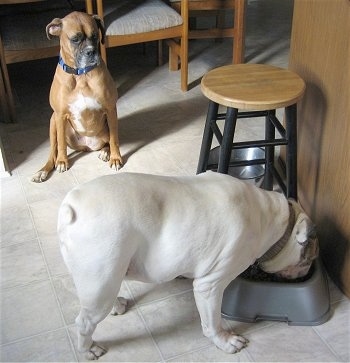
259,143
245,114
239,163
250,114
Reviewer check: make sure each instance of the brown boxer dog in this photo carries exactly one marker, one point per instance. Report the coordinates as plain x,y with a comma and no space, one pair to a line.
83,96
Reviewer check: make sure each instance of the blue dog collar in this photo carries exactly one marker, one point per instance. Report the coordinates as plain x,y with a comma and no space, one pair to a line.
76,71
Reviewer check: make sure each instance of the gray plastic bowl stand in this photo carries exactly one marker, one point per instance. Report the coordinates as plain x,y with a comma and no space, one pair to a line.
297,303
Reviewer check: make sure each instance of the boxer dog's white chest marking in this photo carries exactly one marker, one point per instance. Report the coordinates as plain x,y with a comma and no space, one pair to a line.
78,106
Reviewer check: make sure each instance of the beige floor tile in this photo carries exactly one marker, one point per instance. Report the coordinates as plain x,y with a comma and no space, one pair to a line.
11,193
49,347
89,167
185,155
53,257
281,343
16,226
28,310
335,293
335,332
175,319
243,328
56,186
211,354
22,264
29,150
153,159
45,214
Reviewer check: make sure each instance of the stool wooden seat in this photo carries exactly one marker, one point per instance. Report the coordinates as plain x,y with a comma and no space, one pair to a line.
261,89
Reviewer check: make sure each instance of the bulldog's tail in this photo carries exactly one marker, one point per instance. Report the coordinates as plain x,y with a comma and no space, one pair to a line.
66,217
66,214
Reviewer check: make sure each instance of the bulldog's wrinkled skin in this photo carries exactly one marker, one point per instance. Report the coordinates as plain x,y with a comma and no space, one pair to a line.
209,228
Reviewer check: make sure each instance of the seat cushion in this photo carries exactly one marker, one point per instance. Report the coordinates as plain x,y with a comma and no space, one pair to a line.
139,16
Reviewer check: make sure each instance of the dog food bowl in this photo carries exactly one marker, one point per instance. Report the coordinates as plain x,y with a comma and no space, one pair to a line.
250,173
297,303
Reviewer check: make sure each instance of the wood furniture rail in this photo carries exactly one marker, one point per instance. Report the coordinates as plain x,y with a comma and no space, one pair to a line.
218,8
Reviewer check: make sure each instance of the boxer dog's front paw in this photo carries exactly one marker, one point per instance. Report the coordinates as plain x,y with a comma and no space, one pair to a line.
39,176
229,342
116,162
96,351
62,166
104,154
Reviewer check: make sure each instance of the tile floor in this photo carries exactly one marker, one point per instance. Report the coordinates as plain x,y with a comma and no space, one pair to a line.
160,132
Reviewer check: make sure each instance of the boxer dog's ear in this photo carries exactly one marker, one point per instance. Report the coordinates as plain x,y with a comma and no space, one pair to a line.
54,28
101,26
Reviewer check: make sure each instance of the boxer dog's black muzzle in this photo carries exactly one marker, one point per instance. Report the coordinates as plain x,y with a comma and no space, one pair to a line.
86,53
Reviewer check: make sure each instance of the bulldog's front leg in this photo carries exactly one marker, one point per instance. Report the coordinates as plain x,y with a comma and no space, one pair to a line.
208,300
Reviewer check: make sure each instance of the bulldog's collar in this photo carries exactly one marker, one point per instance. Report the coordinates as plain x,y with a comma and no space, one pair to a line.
76,71
280,244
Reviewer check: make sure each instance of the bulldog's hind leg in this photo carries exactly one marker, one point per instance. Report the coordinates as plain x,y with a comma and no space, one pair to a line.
208,299
86,323
96,302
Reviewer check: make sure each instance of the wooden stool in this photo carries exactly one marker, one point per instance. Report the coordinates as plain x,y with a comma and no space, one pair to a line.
261,89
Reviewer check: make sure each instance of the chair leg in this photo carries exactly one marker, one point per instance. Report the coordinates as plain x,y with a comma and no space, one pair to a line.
226,145
104,53
184,64
7,100
291,152
174,54
239,32
160,52
207,137
184,45
177,51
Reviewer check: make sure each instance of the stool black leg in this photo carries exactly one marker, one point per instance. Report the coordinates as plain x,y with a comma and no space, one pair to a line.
207,137
291,157
269,151
227,138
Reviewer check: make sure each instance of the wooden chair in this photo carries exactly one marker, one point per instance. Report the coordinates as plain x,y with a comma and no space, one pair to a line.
6,96
23,37
140,21
218,8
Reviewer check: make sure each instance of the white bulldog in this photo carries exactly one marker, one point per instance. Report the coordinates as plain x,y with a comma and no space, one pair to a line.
209,227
